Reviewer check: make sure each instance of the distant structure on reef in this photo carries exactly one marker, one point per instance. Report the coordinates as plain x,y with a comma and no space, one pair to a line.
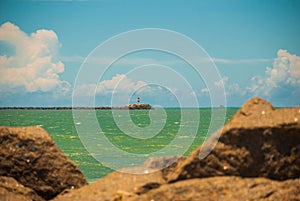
139,106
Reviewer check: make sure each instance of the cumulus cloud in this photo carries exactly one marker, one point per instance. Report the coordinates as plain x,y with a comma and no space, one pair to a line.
232,90
119,83
121,90
34,66
219,85
280,84
282,79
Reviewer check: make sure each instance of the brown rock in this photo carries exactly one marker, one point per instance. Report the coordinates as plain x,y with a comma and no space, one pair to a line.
258,141
11,190
139,107
116,186
162,162
29,155
166,164
121,186
224,188
122,196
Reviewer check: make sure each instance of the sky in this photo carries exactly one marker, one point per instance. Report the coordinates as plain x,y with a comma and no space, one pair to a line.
51,52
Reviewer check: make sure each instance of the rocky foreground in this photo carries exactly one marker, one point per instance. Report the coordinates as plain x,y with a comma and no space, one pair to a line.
257,157
32,165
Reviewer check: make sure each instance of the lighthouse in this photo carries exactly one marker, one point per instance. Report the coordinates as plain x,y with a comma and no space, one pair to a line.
138,100
138,105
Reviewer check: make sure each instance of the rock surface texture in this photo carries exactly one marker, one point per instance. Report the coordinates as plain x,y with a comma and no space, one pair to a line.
12,190
30,156
115,186
258,141
224,188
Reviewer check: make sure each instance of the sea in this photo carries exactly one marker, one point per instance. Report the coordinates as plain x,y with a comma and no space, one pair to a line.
117,138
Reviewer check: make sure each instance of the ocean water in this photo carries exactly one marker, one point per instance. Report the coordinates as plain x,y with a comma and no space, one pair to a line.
135,136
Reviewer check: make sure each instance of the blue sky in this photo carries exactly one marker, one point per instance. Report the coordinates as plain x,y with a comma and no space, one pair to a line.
254,44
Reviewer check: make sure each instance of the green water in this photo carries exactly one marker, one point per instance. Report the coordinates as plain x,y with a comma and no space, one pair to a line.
60,125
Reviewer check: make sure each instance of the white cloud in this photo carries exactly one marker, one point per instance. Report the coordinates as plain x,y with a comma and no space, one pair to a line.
220,84
280,84
34,66
283,76
230,88
120,84
121,90
204,90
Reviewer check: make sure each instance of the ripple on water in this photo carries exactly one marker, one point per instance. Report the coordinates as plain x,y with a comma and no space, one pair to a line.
60,125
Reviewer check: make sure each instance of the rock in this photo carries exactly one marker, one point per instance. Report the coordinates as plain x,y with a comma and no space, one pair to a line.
258,141
120,185
11,190
162,162
122,196
139,107
166,164
224,188
29,155
116,186
147,187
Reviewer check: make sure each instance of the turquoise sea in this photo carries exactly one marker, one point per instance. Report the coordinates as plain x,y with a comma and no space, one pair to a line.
61,125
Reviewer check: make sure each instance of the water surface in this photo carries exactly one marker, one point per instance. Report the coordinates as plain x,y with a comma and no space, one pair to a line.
61,126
